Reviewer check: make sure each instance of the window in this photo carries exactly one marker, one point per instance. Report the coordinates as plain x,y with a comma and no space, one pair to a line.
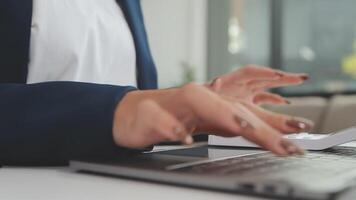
313,36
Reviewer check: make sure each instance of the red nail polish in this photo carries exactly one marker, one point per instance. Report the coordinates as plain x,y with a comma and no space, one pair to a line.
299,124
304,77
279,74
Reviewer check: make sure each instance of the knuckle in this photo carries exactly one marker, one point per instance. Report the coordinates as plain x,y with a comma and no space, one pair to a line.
281,118
272,118
189,89
144,104
249,68
192,86
276,96
147,108
161,120
157,131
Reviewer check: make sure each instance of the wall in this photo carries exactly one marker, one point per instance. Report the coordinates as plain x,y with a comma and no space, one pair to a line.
177,33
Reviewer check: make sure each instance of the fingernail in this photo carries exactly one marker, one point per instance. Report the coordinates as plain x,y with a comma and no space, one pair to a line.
177,130
188,140
299,124
279,74
304,77
214,81
245,125
301,151
287,101
291,148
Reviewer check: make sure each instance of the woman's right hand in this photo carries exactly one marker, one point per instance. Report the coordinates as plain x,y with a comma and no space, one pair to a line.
148,117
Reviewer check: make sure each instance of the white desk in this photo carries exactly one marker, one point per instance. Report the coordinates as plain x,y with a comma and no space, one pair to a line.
63,184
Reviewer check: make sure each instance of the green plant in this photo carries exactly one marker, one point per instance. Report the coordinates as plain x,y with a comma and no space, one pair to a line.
188,72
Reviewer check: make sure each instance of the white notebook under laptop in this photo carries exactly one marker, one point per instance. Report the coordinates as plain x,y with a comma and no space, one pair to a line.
306,141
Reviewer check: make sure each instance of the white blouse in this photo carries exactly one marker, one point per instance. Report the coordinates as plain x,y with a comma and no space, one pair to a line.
81,40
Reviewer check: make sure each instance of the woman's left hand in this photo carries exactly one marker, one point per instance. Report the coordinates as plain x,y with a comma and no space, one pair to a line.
248,86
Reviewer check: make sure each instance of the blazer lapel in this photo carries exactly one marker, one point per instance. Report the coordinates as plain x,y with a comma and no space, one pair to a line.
146,70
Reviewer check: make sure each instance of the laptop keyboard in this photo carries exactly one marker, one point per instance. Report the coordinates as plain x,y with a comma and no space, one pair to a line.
312,165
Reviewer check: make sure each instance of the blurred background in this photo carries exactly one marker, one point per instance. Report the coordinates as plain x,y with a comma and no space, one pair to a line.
198,40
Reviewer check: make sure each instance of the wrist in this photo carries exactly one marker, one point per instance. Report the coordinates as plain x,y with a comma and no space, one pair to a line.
126,109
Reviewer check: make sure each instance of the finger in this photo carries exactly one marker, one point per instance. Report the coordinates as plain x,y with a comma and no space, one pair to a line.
285,80
256,85
264,74
270,139
209,108
302,76
220,115
269,98
281,122
291,148
223,118
261,133
253,72
289,79
190,127
168,126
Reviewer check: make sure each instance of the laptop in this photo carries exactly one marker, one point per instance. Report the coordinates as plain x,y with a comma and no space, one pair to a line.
318,175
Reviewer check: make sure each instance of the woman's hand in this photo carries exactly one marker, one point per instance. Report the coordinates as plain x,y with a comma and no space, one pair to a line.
248,86
144,118
249,83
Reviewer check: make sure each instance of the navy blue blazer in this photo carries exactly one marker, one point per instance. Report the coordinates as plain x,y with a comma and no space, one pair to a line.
50,123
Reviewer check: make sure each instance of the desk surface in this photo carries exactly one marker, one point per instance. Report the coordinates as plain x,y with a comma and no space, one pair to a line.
64,184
